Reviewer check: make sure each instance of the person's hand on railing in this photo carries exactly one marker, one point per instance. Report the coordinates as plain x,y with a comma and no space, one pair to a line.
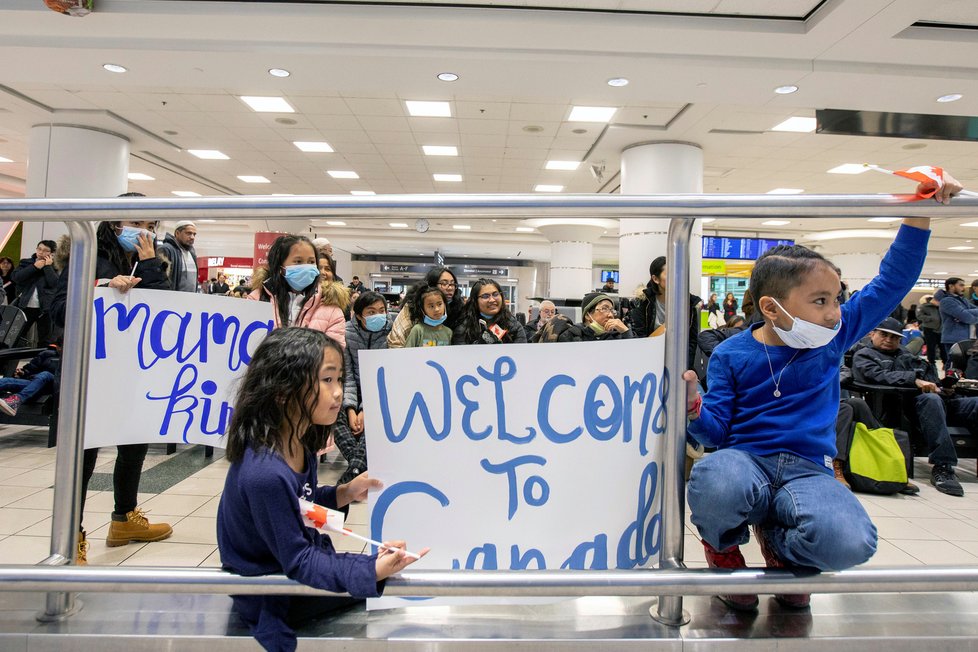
950,188
693,400
391,558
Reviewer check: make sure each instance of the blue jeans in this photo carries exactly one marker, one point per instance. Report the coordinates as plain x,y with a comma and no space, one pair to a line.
934,414
813,520
27,389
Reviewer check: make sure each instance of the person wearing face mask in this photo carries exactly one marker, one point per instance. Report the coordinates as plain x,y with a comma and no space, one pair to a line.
430,314
126,259
486,319
293,286
444,279
771,412
367,330
37,280
600,321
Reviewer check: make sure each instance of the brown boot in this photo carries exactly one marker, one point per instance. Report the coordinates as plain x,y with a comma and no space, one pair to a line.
135,529
837,468
81,559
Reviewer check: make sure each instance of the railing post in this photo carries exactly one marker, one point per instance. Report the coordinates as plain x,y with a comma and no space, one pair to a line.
669,609
71,421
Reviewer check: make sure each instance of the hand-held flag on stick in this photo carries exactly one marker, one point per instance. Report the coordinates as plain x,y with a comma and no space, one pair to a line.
922,174
330,520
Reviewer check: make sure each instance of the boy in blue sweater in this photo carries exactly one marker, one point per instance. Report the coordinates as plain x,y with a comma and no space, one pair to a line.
771,411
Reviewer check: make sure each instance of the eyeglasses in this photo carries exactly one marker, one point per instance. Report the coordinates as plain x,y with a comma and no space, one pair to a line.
606,309
488,295
446,284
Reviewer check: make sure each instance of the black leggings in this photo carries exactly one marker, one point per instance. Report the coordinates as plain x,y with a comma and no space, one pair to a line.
125,477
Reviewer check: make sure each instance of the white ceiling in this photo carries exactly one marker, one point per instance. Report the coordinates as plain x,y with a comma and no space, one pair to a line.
705,77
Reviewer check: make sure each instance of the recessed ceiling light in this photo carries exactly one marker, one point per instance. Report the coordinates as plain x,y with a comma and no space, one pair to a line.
939,273
707,220
788,89
429,109
786,191
267,104
114,67
617,82
848,168
5,160
562,165
543,187
952,97
282,194
961,248
466,227
591,113
775,223
278,72
796,124
363,193
253,178
532,129
313,146
884,219
525,229
343,174
397,225
335,223
211,154
448,76
204,221
186,193
440,150
969,224
139,176
447,177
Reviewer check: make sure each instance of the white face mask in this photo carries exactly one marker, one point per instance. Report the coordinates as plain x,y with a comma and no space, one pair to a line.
805,334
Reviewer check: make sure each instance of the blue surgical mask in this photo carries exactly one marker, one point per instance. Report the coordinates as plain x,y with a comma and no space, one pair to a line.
375,323
129,237
488,317
299,277
435,322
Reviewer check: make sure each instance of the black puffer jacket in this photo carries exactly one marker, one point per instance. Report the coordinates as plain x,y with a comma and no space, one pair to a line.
28,278
644,321
514,332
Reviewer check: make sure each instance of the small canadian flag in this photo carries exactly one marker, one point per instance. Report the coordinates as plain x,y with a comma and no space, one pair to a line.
928,174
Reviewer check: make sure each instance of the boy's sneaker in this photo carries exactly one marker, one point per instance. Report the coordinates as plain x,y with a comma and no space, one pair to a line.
730,558
790,600
942,477
135,529
10,404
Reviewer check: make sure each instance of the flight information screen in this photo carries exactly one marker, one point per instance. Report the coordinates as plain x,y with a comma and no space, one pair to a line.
739,248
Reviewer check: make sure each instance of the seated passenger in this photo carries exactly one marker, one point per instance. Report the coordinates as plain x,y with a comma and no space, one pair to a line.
599,320
486,319
888,363
709,339
39,376
547,312
771,411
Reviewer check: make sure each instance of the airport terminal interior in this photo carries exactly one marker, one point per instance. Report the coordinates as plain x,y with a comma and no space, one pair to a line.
441,109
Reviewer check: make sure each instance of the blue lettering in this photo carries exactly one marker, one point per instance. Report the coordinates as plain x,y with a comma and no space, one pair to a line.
244,357
643,388
509,468
156,333
641,540
497,378
520,562
543,411
602,429
125,320
209,388
418,405
470,407
179,400
394,492
659,421
599,555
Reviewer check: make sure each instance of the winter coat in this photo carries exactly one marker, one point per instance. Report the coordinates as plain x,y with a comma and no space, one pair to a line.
729,310
644,320
172,254
28,278
514,332
323,311
710,339
48,360
359,339
929,316
899,368
957,315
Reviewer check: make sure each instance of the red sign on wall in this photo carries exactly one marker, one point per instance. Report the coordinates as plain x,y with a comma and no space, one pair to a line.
263,242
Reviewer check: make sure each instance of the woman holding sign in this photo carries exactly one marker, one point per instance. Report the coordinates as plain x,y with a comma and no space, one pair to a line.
486,319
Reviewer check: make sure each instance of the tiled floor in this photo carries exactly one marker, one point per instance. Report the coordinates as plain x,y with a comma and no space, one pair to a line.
914,530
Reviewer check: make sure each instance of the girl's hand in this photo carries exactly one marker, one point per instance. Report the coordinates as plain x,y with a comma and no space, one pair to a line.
356,422
693,400
124,283
145,248
356,489
391,559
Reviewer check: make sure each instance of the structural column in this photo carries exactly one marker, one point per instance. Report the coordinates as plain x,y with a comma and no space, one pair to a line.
571,246
72,161
656,168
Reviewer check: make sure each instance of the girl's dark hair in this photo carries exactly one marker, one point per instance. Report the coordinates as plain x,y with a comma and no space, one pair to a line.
783,268
454,306
417,302
280,390
332,263
366,299
9,260
277,255
109,248
655,269
471,317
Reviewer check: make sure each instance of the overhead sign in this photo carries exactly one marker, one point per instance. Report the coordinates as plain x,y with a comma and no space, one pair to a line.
714,267
467,270
404,269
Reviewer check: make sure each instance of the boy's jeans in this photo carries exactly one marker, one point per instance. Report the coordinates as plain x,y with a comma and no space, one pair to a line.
814,520
27,389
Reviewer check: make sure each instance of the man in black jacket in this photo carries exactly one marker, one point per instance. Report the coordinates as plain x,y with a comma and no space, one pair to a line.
36,281
888,363
177,249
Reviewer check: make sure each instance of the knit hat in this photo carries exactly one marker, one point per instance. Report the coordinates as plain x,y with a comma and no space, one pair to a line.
592,299
184,223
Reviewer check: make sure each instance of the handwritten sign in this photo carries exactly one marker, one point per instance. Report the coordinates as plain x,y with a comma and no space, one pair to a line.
163,365
518,456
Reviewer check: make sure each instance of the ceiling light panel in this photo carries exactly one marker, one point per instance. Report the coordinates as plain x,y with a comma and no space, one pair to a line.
343,174
591,113
335,223
313,146
5,160
420,109
786,191
543,187
562,165
132,176
466,227
525,229
397,225
775,223
799,125
253,178
267,104
209,154
362,193
185,193
454,178
440,150
884,219
848,168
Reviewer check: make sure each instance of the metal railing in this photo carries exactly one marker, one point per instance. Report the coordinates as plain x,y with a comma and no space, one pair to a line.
671,581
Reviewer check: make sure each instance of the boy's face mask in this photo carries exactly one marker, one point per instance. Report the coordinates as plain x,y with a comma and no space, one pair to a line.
805,334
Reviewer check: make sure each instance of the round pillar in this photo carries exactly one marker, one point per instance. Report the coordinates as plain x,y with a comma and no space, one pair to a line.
72,161
571,246
657,168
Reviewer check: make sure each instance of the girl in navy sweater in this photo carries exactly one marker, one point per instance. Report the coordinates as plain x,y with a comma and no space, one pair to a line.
293,389
771,410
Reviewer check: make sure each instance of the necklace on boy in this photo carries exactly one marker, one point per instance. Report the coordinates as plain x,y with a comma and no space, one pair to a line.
776,381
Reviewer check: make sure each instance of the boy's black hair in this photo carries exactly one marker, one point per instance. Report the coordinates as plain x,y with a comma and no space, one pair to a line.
50,244
781,269
365,299
280,390
954,280
417,302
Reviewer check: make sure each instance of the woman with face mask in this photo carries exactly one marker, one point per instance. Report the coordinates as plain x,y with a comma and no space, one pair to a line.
298,294
367,330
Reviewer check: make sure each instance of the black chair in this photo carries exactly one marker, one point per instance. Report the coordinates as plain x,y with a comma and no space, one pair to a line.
42,410
959,354
12,323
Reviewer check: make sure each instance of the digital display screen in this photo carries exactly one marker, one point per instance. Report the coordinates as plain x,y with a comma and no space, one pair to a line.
739,248
609,275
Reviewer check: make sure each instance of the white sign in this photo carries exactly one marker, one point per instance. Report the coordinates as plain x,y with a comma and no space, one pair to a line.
518,456
163,365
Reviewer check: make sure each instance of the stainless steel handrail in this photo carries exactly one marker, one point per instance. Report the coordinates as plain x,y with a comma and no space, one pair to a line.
673,581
